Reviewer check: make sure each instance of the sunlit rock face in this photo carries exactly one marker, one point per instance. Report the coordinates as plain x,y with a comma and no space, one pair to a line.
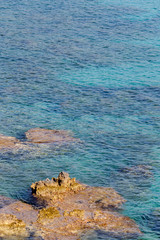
40,135
67,210
10,225
72,208
17,220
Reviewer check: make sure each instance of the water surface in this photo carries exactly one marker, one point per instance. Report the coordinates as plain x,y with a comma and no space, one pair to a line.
91,67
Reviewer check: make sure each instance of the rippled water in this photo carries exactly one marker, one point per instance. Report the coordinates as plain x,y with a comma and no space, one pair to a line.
91,67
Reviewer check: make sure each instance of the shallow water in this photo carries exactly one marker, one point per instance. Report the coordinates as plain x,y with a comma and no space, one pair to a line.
91,67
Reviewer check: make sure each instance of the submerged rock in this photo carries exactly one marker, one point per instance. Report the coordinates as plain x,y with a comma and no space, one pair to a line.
40,135
138,171
8,142
72,208
36,137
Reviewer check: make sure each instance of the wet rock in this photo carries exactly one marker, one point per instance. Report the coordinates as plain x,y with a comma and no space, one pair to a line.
36,137
8,142
72,208
10,225
40,135
26,215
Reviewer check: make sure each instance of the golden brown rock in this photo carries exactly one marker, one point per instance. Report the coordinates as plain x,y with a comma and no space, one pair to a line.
40,135
46,214
56,188
71,208
77,208
10,225
21,210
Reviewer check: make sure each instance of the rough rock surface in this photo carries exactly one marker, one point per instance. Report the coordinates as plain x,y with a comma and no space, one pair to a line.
19,220
72,208
69,210
10,225
40,135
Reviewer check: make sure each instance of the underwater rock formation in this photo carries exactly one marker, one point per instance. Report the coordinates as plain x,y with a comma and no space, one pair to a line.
138,171
40,135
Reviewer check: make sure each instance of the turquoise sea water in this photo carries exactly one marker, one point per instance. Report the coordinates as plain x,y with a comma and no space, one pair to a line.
91,67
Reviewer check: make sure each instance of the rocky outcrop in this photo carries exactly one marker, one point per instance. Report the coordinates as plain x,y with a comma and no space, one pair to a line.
40,135
72,207
69,209
57,188
36,137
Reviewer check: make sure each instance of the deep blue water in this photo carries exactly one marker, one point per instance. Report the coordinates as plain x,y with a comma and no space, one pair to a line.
91,67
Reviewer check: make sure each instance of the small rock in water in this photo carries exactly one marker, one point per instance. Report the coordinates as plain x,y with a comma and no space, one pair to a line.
36,136
8,142
40,135
138,171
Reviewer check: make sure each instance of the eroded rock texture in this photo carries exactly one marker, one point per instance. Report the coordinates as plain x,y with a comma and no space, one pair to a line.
72,207
10,225
68,209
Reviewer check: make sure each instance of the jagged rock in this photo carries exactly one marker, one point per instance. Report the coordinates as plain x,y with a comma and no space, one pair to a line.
40,135
10,225
56,188
72,207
